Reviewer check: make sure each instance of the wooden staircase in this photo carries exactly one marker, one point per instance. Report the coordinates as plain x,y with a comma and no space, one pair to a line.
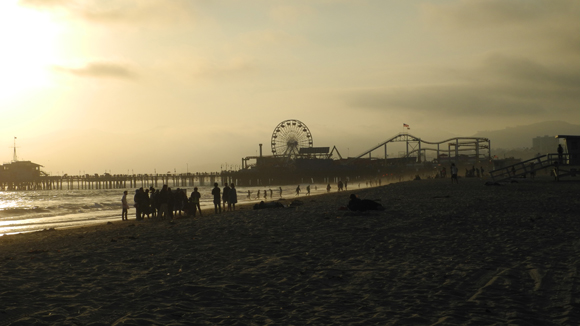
531,166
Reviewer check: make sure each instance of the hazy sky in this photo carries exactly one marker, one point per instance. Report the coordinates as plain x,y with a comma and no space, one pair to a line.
144,85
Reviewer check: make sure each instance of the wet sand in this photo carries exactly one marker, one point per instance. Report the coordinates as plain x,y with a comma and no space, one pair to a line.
440,254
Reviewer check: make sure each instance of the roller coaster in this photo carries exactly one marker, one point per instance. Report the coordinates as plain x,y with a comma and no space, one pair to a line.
472,147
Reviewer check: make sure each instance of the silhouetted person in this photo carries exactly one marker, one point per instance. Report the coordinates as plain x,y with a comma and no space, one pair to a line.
233,198
308,190
258,195
157,203
216,192
454,174
328,188
560,154
280,192
183,201
163,201
194,200
139,203
125,210
226,196
361,205
146,204
153,202
339,185
298,190
170,202
249,194
271,193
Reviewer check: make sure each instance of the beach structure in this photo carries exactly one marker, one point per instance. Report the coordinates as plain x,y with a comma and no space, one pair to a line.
25,171
453,150
565,164
20,174
107,181
295,159
26,175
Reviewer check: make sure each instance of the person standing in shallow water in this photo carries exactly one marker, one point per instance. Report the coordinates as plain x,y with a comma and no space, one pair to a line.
125,207
216,192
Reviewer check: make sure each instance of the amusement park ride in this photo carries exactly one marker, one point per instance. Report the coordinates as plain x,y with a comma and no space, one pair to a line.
292,141
294,156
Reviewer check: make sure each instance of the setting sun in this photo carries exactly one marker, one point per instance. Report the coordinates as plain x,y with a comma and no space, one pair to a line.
28,49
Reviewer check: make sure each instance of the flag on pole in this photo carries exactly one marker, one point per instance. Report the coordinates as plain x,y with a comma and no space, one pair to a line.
405,125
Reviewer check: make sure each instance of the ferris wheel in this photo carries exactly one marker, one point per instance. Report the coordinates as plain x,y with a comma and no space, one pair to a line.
288,137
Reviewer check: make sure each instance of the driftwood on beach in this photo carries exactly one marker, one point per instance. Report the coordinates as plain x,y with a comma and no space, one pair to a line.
440,253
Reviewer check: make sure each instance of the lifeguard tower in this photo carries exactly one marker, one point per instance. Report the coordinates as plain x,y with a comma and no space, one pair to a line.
565,164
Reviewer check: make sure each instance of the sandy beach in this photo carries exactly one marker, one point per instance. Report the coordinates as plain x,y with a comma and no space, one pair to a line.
440,254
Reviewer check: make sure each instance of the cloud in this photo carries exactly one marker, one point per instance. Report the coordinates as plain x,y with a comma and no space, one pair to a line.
519,61
99,70
119,11
496,13
542,25
523,70
504,87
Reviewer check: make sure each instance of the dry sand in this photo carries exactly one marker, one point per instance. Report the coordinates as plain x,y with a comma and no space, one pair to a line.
441,254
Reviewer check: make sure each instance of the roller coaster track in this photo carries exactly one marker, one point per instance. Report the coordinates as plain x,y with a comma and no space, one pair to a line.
405,137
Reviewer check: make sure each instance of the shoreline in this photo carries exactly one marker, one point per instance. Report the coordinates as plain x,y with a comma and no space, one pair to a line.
439,254
84,215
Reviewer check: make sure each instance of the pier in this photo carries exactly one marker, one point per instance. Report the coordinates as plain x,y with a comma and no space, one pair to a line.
109,181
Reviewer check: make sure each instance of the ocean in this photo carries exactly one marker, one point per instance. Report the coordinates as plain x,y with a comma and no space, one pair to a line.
30,211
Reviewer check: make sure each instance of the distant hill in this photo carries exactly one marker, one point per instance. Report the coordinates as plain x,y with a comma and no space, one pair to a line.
521,136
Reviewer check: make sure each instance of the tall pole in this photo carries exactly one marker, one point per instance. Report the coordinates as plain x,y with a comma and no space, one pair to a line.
456,150
407,143
14,158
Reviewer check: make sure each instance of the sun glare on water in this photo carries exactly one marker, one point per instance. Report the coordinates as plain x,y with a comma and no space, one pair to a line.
28,39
